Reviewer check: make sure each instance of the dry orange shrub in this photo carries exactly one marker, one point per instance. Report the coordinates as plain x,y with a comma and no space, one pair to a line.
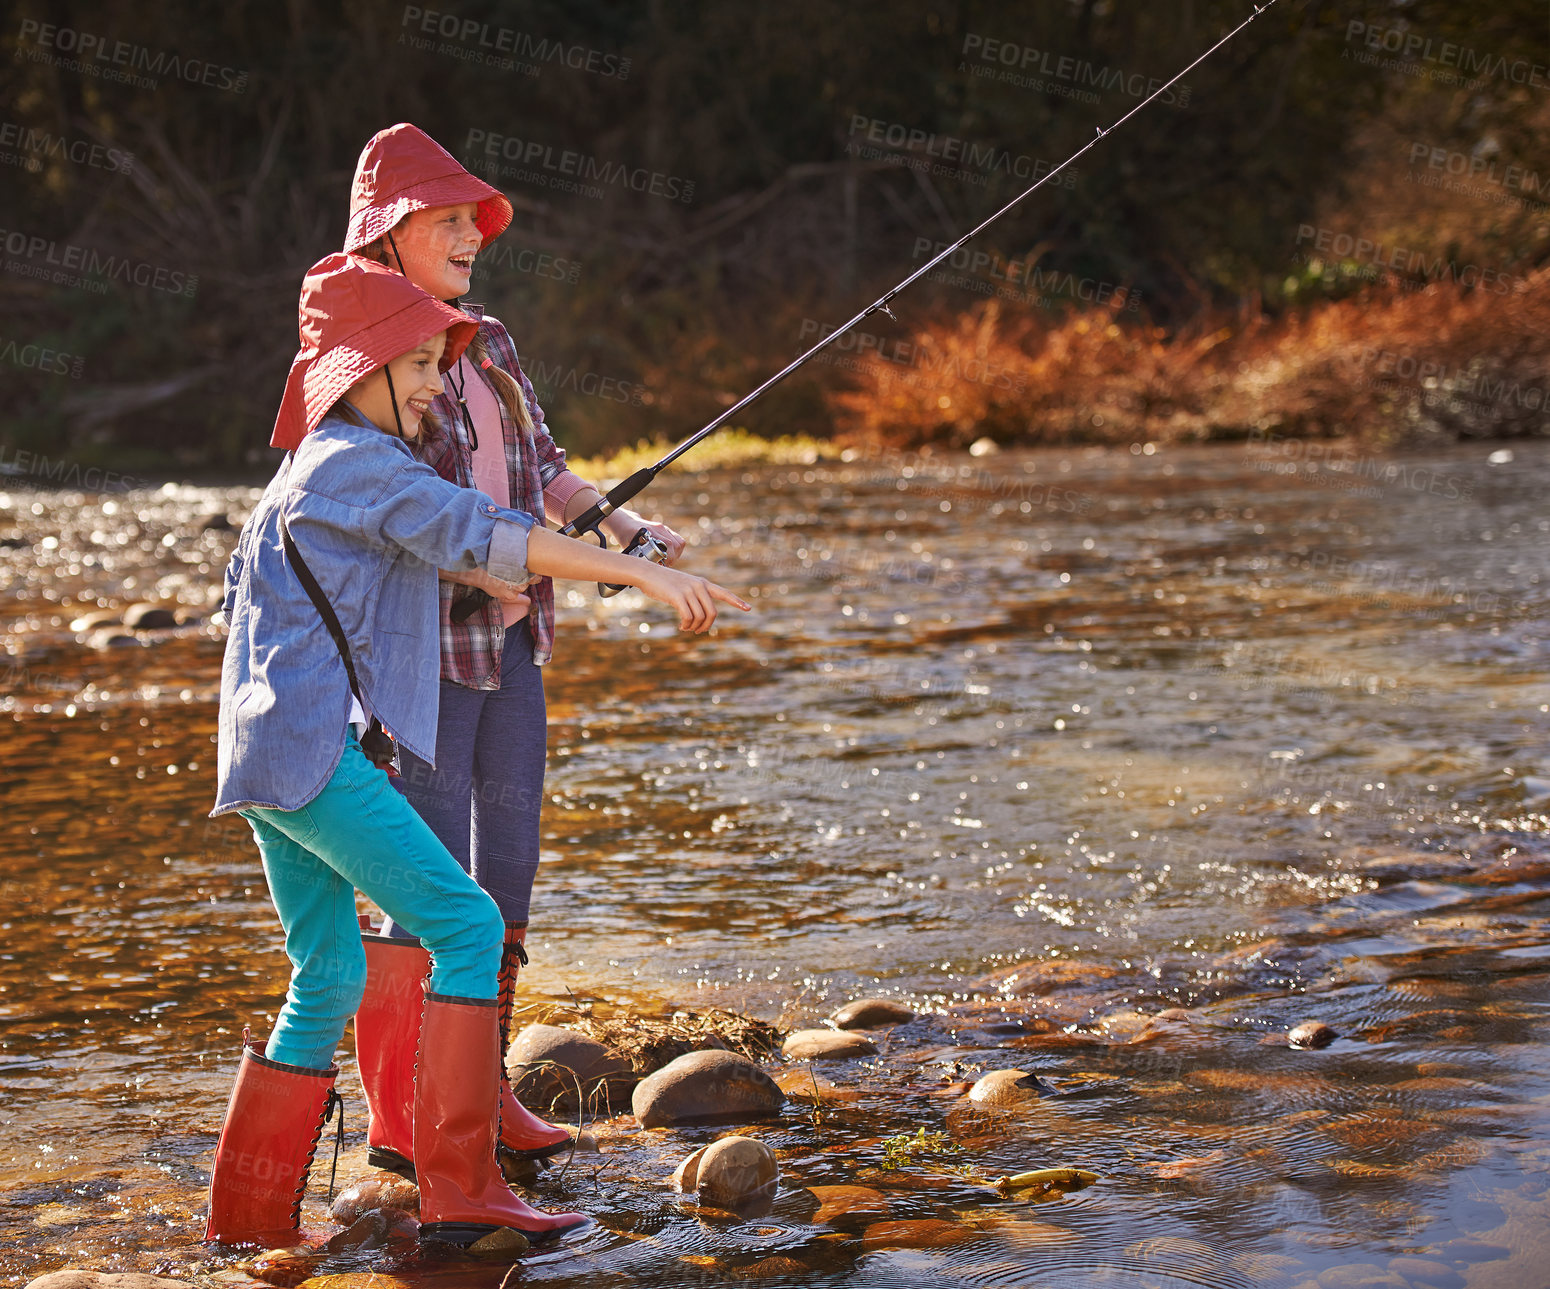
1385,365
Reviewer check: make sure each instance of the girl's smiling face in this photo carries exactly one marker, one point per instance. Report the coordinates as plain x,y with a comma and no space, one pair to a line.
416,381
438,246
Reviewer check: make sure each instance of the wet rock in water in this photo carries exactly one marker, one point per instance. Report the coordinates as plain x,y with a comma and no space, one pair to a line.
1309,1034
1174,1014
96,620
111,638
1424,1271
732,1173
284,1268
368,1231
705,1085
872,1013
149,617
548,1064
1036,978
856,1203
104,1280
984,447
1006,1088
1361,1275
380,1190
501,1245
772,1266
925,1233
827,1045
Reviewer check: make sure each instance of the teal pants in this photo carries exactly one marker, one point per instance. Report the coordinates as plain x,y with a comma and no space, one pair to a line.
359,833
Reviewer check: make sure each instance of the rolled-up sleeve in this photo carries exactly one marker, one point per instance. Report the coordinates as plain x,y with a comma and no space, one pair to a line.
450,527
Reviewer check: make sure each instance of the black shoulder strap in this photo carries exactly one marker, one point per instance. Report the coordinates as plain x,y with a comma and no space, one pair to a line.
376,743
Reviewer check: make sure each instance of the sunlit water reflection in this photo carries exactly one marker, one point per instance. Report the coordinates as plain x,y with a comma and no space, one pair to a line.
1201,729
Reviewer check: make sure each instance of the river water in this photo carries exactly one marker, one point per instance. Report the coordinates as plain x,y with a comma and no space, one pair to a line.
1042,743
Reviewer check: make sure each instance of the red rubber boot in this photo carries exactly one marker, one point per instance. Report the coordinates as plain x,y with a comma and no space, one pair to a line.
387,1028
523,1133
273,1122
462,1194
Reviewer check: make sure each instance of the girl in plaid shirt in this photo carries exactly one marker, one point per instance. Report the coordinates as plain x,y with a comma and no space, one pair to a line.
415,209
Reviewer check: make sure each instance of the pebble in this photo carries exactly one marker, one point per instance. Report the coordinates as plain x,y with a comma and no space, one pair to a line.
1310,1034
284,1268
380,1190
924,1233
827,1045
803,1083
503,1244
534,1054
872,1013
368,1231
95,619
111,638
773,1266
149,617
104,1280
1005,1088
705,1085
732,1173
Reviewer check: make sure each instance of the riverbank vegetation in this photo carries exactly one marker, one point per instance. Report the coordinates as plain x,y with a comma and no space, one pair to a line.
701,196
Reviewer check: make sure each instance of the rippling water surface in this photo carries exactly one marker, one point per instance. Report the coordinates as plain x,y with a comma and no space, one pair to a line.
1045,744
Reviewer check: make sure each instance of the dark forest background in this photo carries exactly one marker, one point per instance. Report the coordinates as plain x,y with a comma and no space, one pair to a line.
641,314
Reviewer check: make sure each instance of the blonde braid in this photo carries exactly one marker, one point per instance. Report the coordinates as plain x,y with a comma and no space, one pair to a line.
505,384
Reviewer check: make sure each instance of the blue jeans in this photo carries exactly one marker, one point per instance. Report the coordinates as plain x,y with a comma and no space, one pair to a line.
484,796
360,834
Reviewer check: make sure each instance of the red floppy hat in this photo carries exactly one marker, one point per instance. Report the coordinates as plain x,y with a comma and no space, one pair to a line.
355,316
403,169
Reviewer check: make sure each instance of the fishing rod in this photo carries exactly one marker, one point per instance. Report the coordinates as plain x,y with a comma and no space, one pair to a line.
643,544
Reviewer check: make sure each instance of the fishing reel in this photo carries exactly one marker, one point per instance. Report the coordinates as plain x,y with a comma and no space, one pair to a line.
643,546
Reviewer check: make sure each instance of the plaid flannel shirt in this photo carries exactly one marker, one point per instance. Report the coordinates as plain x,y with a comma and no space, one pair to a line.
471,650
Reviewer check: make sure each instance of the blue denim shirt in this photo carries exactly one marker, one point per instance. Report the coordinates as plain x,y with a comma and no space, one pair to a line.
373,525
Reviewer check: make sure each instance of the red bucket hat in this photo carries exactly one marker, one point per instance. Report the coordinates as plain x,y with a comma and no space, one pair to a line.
403,169
355,316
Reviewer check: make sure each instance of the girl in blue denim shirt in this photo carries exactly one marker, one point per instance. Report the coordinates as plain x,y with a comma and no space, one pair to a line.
355,515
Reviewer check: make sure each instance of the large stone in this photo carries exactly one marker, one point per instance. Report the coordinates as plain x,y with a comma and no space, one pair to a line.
872,1013
732,1173
104,1280
549,1065
855,1203
380,1190
1005,1088
705,1085
149,617
827,1045
1311,1033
